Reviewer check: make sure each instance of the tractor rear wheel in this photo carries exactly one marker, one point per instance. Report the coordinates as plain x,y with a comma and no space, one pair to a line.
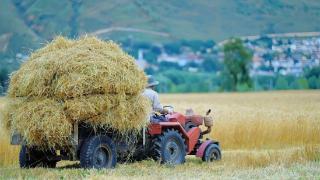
31,158
212,153
98,152
169,147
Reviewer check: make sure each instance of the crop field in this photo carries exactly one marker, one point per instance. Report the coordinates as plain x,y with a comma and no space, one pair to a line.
263,135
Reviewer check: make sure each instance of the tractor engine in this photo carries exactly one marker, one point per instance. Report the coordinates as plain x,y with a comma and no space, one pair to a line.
193,120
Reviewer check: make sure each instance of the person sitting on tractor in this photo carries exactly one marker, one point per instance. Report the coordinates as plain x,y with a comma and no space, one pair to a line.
153,96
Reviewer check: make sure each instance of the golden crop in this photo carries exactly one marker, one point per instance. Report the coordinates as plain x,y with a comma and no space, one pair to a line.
265,120
266,130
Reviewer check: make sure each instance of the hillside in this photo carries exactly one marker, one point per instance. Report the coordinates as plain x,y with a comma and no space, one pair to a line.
34,20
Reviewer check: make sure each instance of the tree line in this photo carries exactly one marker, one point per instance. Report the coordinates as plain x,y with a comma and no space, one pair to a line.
212,75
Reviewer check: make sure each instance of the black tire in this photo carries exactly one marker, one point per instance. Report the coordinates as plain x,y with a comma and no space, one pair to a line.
24,158
169,148
98,152
50,164
31,158
212,153
189,125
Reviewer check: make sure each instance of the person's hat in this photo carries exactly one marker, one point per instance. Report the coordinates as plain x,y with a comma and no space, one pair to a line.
152,81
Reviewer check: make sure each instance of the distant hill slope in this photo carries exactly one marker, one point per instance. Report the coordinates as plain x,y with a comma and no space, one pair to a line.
147,20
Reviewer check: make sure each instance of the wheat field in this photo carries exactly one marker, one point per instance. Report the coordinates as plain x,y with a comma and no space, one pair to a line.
263,135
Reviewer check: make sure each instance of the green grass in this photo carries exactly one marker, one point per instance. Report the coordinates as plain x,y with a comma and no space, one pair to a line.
193,169
205,19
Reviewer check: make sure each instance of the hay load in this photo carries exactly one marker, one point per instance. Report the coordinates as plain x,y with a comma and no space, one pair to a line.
68,81
66,69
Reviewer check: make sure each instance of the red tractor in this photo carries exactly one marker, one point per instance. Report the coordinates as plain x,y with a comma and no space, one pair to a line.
168,142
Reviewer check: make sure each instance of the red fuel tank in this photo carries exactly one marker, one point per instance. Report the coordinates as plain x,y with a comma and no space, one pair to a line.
177,117
195,119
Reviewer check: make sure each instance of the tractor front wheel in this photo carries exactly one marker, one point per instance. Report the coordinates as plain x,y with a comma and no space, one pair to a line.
212,153
98,152
169,147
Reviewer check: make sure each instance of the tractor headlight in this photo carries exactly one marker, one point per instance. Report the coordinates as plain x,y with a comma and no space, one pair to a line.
208,121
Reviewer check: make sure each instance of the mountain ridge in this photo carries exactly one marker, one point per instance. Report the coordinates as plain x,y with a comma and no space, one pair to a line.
35,21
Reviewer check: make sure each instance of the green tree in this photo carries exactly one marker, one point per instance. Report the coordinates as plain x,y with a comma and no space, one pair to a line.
282,83
314,82
313,77
227,82
172,48
150,57
243,87
210,65
4,77
237,59
302,83
315,71
265,82
299,83
1,90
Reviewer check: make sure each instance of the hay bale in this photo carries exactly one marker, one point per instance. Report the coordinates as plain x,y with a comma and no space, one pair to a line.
86,107
40,122
131,114
49,123
6,112
68,81
73,68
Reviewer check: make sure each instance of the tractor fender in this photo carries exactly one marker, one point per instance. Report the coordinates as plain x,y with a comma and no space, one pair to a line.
193,137
203,147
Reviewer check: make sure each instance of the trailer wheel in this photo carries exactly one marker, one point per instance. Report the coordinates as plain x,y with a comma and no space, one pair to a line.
31,158
169,148
98,152
24,158
212,153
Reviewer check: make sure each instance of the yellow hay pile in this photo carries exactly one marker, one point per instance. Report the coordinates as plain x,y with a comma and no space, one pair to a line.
66,68
67,81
